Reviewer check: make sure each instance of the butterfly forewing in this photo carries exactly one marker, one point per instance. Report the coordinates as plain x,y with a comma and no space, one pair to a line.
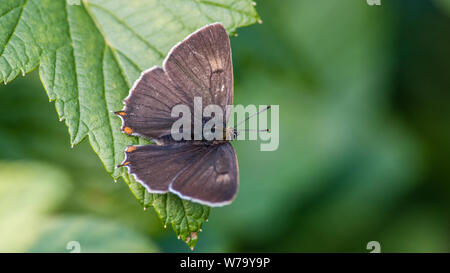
199,66
202,64
148,107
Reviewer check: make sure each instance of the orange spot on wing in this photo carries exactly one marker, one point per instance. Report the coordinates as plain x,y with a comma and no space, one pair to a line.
131,149
127,130
120,113
123,164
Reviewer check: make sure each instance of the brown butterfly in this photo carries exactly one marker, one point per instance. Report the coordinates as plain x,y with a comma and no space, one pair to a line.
199,170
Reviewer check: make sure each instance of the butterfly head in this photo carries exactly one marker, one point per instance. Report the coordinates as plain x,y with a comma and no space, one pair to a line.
231,133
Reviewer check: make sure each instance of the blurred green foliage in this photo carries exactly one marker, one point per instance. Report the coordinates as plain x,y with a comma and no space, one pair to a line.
363,155
29,192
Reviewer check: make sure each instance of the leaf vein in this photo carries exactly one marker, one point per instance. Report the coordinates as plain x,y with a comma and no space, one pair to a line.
211,3
113,148
14,29
118,19
77,128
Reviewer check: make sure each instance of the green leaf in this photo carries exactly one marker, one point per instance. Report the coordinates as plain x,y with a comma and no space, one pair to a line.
90,54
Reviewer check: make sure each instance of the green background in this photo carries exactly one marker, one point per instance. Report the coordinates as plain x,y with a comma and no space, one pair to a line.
363,156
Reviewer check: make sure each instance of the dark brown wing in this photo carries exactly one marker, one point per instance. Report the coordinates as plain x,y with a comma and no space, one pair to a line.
199,66
148,108
213,180
202,65
207,174
156,166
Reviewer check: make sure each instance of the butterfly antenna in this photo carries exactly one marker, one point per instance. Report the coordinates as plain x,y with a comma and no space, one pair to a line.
253,130
255,114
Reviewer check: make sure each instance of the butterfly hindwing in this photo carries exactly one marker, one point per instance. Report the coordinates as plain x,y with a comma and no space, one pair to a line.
206,174
213,180
156,166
